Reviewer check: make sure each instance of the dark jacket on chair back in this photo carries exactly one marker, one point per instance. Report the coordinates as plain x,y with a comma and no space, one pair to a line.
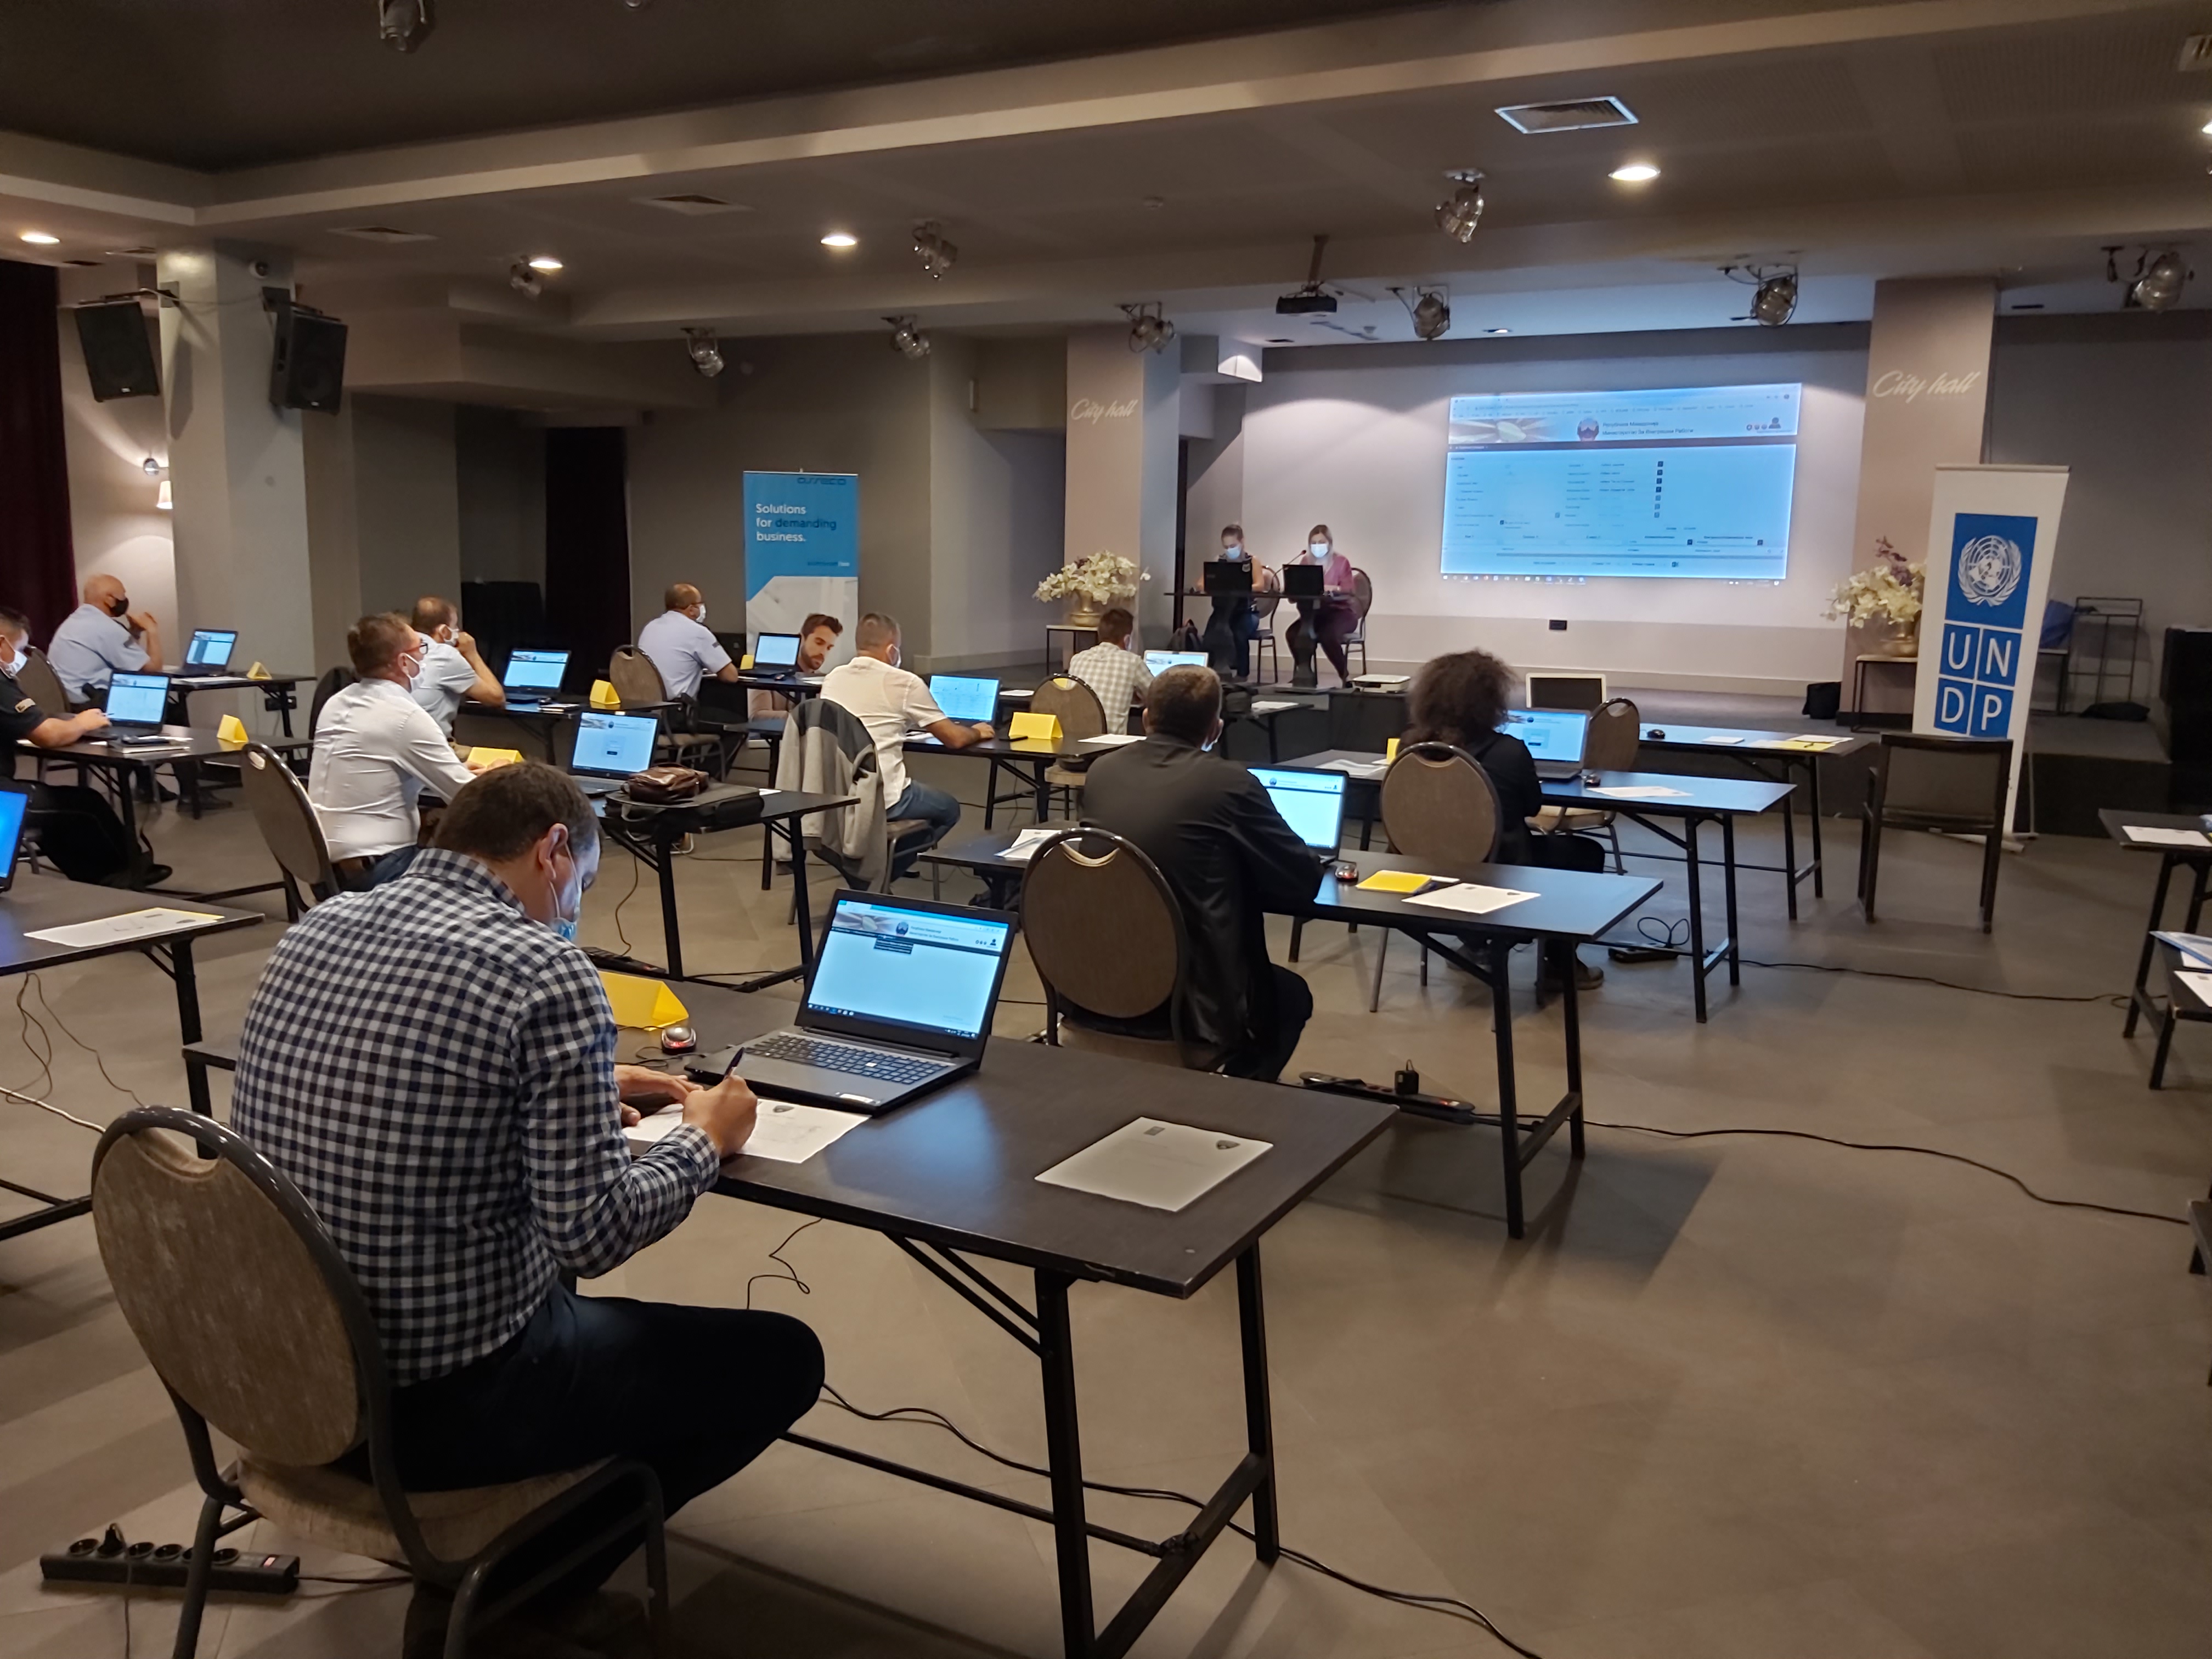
1228,856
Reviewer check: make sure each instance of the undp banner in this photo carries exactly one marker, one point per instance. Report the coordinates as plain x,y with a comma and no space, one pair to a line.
1990,539
802,552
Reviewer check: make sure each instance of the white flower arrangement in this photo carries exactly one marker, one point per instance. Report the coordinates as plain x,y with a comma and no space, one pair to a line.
1104,575
1890,590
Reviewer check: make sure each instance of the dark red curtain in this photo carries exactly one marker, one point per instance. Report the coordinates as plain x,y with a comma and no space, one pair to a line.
586,547
38,565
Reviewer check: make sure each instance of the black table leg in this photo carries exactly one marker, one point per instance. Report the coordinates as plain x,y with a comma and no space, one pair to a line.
1509,1104
1064,1455
671,928
1790,856
2150,944
1571,1013
799,897
2197,896
1259,1413
188,990
1690,826
1812,800
1727,884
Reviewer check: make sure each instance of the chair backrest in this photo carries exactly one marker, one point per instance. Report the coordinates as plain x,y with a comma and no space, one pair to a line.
1438,803
1959,779
1075,703
1102,927
234,1288
635,677
286,821
1265,599
1616,732
1363,593
41,684
334,682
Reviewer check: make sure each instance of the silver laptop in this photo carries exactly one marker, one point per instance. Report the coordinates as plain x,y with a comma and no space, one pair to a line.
900,1002
1554,737
135,706
1311,803
609,748
530,675
963,697
209,653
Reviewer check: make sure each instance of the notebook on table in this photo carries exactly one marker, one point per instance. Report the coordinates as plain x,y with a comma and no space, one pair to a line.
1227,576
136,705
776,655
1302,581
210,650
962,698
1160,661
530,674
1311,803
15,808
610,748
1554,737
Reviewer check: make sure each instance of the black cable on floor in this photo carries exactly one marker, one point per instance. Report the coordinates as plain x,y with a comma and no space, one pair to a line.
97,1060
789,1272
636,868
2116,999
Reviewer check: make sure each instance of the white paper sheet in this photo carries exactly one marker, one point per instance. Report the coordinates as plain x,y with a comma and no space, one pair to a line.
1163,1166
1023,846
2193,946
1111,740
117,930
1637,792
1470,898
2200,983
785,1131
1273,708
1722,740
2158,837
1374,768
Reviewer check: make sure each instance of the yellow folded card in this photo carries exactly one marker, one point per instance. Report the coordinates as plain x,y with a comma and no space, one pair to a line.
644,1005
484,759
1390,749
231,729
1029,723
257,672
1396,881
745,662
603,696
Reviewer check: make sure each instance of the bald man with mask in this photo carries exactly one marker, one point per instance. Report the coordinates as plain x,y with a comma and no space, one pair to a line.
101,637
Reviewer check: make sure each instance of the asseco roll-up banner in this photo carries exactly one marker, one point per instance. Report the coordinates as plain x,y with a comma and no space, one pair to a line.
802,553
1992,535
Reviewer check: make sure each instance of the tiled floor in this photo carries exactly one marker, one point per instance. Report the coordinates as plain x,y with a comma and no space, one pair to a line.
1734,1396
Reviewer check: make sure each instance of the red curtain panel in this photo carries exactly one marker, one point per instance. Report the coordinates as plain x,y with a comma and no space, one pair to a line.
38,565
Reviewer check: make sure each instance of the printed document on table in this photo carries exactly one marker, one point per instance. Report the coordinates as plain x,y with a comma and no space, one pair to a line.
1161,1165
2152,837
2193,946
2200,983
1272,708
1374,768
1023,846
1637,792
1471,898
1111,740
785,1131
118,930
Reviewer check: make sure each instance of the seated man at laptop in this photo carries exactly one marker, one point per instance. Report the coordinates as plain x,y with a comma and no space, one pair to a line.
78,832
460,1133
681,646
452,670
376,749
1117,674
100,636
891,702
1228,858
817,636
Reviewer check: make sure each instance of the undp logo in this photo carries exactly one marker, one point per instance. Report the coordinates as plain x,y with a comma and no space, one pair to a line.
1983,646
1990,568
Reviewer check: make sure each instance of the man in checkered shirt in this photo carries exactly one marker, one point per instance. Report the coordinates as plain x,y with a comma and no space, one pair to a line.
432,1063
1116,673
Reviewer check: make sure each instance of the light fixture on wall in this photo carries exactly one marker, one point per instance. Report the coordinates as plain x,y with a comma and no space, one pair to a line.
908,339
39,238
403,25
706,353
1148,330
840,239
937,255
523,280
1458,217
162,498
1429,308
151,467
1775,296
544,263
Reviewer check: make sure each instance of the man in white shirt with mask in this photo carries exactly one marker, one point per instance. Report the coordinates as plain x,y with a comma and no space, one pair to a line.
681,646
376,749
453,671
100,637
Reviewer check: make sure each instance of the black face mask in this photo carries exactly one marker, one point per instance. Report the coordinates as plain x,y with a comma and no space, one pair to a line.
119,606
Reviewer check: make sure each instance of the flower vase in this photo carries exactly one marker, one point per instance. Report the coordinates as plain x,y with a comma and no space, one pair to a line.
1084,610
1900,640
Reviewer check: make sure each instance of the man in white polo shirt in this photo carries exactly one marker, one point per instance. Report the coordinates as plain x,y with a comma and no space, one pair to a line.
452,671
682,646
100,637
891,702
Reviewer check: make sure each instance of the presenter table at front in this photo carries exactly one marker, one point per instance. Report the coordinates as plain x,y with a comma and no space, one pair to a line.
2196,856
1757,750
38,904
953,1176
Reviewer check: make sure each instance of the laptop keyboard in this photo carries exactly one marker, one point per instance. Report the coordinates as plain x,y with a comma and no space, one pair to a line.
873,1063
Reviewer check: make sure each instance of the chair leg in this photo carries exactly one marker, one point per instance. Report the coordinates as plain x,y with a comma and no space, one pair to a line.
1298,933
1425,965
1870,865
196,1579
463,1613
1381,950
1992,862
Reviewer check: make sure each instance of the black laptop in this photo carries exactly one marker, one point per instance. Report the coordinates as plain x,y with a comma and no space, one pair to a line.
776,655
1302,581
530,675
900,1002
136,705
1554,737
1227,576
610,748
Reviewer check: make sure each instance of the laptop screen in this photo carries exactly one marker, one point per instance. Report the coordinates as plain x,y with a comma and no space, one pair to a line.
1160,661
883,961
776,650
1311,803
613,745
14,802
963,699
1302,580
1551,734
137,699
210,648
536,670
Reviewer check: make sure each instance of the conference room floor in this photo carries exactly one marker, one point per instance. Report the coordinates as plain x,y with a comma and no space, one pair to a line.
1734,1396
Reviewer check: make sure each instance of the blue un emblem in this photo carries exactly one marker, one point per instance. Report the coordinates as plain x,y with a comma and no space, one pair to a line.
1984,623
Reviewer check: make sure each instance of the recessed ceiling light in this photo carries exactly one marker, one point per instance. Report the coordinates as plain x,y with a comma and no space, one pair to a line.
840,238
1635,172
546,262
1498,331
39,239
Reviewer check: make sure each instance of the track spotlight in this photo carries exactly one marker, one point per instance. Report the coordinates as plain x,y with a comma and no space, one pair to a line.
1458,217
906,338
1432,315
403,25
937,255
1776,300
151,467
2158,286
524,280
1148,330
706,353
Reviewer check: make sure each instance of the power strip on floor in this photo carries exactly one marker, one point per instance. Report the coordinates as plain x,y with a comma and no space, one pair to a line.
110,1560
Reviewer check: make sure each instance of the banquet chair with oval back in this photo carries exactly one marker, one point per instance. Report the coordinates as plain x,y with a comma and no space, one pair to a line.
1081,715
637,682
252,1321
1616,732
288,823
1438,805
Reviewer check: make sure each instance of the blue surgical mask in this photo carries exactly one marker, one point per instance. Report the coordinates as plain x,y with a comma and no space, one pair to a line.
566,927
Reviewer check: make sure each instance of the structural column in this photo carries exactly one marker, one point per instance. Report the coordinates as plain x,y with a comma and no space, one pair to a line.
1123,451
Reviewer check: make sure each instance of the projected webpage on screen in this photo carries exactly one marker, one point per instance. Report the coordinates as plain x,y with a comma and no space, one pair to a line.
1691,481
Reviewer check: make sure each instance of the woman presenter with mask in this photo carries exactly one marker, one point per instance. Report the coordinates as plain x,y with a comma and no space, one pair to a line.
1329,619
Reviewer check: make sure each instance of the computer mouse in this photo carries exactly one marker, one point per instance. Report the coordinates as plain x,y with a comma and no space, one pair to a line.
1658,732
677,1039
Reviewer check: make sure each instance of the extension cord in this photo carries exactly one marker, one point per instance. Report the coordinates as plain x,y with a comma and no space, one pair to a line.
109,1560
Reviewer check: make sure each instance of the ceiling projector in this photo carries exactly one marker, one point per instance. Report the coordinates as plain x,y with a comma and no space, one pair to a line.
1306,302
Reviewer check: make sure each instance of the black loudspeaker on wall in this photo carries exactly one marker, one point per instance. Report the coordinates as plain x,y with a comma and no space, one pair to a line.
118,353
308,369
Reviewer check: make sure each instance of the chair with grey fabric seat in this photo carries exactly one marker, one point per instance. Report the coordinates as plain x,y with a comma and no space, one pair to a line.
1956,785
36,676
1438,805
637,682
1080,714
1616,732
288,823
1107,939
254,1324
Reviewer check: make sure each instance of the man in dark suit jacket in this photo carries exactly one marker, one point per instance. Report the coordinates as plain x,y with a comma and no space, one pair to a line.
1228,858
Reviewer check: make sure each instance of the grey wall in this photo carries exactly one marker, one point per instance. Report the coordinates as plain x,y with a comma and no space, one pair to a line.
406,501
499,478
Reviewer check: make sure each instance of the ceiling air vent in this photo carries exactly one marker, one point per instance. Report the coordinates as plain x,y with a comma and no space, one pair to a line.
2196,52
694,204
1571,115
383,233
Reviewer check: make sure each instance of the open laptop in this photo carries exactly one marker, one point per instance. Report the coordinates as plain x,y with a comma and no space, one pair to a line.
15,808
530,675
210,650
1302,581
776,654
136,704
1311,803
610,748
900,1002
1160,661
965,699
1226,576
1554,737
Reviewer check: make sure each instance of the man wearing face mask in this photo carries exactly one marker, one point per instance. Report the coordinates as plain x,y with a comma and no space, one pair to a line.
100,636
460,1131
376,750
452,670
78,832
891,702
681,645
